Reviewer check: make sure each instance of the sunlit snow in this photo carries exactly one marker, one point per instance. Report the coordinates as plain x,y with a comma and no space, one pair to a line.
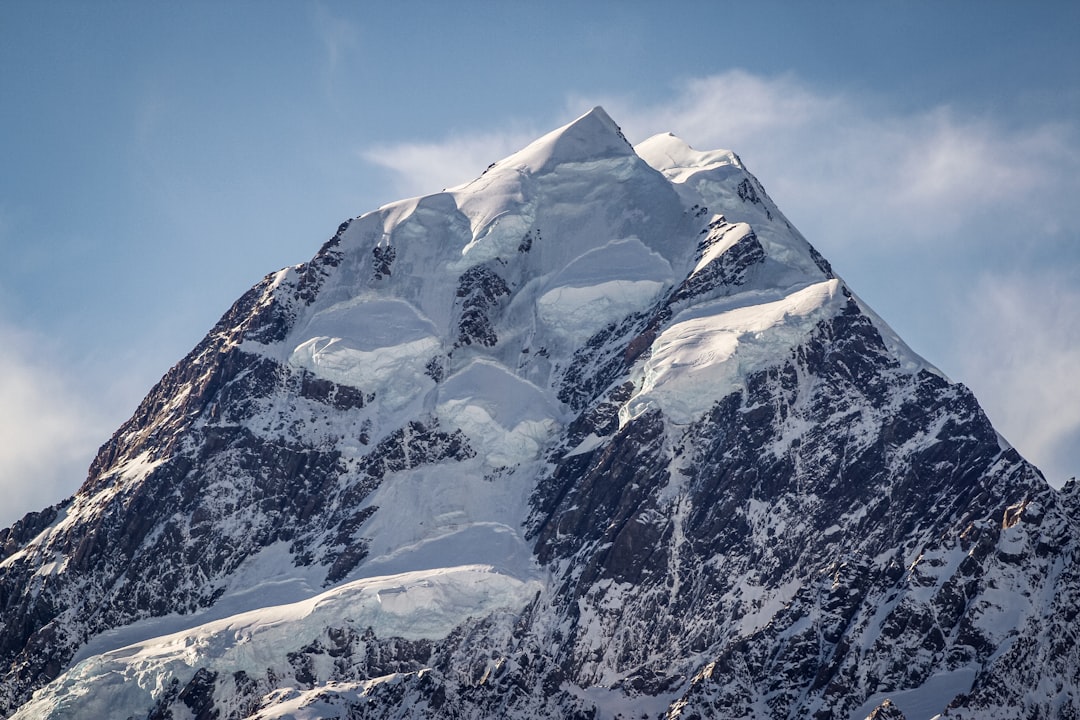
704,357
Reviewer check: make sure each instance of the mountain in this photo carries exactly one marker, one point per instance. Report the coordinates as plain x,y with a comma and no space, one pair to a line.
595,435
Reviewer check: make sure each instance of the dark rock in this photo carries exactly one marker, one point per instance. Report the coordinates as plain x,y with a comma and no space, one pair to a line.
479,290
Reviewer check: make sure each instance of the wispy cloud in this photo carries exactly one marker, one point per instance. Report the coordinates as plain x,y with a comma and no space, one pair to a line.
50,431
826,155
822,155
426,167
1023,335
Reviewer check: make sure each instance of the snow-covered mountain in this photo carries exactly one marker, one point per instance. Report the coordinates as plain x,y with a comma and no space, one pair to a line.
596,435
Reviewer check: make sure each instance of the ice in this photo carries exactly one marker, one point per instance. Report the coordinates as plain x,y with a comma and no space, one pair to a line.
698,360
456,514
576,313
371,323
494,238
468,511
425,605
380,346
601,286
626,259
505,417
267,578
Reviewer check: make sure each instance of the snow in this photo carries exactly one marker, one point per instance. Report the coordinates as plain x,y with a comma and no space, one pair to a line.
265,579
590,443
128,473
613,703
932,569
312,704
593,136
709,176
732,234
321,703
766,603
678,161
909,360
928,700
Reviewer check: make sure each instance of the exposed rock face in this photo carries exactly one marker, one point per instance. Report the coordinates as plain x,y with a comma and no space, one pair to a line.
597,435
479,289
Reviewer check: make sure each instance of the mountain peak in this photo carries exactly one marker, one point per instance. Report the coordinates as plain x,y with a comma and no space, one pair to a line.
592,136
599,115
584,438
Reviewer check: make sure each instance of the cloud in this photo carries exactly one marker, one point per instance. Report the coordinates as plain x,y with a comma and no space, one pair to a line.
831,155
50,432
1023,340
420,168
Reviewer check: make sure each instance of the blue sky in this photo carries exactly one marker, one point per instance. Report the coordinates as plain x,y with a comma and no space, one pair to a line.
159,158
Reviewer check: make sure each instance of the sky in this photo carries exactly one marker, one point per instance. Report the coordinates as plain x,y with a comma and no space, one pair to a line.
157,159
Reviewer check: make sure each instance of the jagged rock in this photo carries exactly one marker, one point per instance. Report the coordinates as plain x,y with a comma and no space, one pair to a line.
886,711
479,289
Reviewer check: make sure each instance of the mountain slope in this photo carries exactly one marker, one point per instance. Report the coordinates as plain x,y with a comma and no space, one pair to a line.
597,433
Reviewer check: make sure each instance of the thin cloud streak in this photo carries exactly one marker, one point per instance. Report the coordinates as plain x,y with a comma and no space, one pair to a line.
338,35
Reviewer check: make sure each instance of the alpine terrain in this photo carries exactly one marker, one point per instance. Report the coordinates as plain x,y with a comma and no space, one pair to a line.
595,435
